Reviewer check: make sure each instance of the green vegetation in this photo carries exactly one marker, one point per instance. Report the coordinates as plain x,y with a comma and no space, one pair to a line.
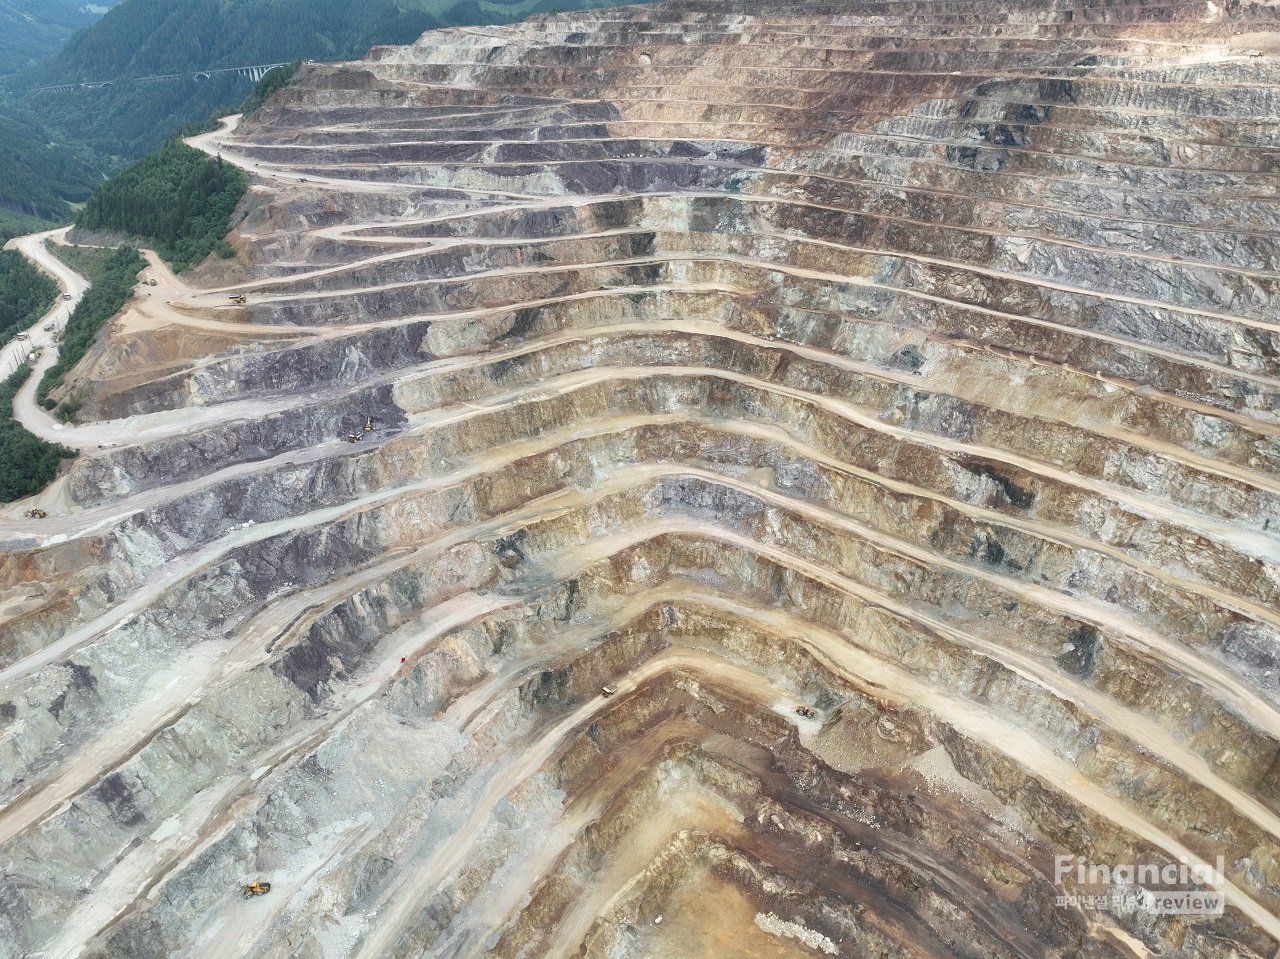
27,463
56,147
207,125
178,198
277,79
25,294
39,172
159,37
105,298
89,261
18,224
31,30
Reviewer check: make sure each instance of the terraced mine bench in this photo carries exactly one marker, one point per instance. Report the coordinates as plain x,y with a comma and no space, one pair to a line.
824,496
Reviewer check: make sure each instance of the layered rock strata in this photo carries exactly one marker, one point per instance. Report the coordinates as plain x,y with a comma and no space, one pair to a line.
880,399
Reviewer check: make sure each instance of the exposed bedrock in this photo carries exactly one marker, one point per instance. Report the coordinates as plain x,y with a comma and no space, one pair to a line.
700,479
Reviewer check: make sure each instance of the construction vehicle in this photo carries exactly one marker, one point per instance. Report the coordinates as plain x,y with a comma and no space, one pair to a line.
237,298
47,327
368,424
607,691
35,514
255,888
807,712
151,282
353,437
66,296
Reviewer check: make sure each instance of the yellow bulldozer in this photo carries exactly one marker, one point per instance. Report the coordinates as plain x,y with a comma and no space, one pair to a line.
255,888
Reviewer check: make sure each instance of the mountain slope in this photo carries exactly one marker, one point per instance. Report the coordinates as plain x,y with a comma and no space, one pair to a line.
31,30
141,37
57,146
38,175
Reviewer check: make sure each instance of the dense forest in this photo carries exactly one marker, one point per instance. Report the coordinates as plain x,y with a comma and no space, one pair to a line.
104,299
178,198
40,172
32,30
27,463
25,294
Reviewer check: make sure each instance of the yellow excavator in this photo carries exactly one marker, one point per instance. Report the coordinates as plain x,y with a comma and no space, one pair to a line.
255,888
368,424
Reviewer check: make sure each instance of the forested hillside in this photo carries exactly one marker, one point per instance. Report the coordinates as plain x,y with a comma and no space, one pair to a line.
179,199
31,30
142,37
38,175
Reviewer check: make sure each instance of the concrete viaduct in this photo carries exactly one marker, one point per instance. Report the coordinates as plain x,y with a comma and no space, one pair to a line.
254,73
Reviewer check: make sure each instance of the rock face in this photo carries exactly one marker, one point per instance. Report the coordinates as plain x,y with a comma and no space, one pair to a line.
880,399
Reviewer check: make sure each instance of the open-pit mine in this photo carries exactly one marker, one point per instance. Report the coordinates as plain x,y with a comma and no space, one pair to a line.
695,480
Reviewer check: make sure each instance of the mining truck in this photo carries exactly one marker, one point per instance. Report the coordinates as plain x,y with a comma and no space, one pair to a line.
609,690
35,514
255,888
237,298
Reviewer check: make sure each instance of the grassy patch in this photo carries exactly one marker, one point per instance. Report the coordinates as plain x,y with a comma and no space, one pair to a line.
27,463
89,261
